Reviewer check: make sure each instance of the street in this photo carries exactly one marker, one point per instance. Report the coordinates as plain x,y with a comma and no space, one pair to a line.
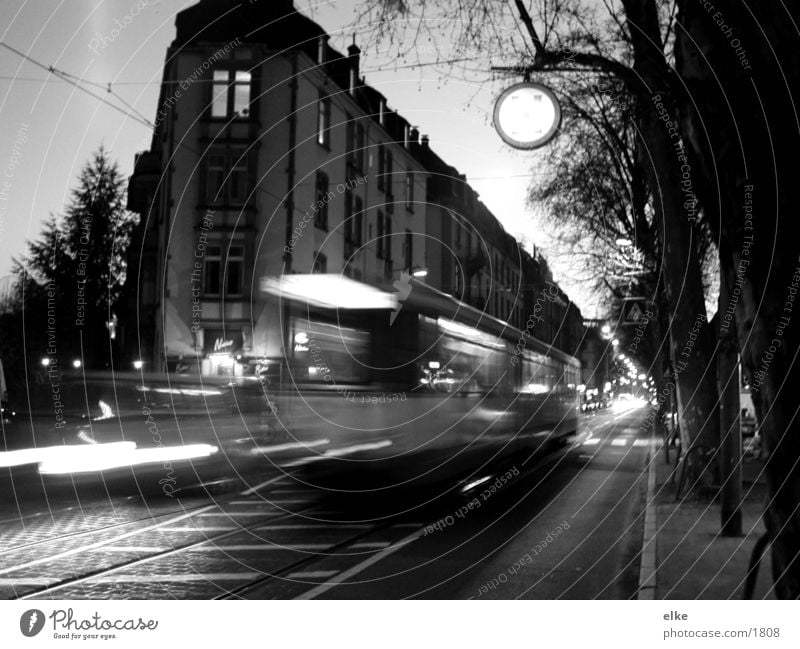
570,526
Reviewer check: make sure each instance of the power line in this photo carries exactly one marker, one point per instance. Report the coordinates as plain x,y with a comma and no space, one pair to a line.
76,81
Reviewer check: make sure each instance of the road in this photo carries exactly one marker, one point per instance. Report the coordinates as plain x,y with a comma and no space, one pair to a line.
568,527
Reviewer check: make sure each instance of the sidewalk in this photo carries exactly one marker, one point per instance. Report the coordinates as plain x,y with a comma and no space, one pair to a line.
691,559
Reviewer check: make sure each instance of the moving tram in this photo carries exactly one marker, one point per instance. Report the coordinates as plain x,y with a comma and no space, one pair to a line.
372,389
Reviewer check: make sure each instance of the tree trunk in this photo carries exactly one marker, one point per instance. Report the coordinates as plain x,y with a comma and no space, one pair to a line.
741,67
671,181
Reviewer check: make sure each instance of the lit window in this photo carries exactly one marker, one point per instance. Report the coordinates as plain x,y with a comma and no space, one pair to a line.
410,191
241,94
230,94
324,120
355,144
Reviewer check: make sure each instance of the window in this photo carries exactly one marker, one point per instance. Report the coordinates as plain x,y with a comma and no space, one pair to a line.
320,263
234,271
408,250
358,218
324,121
355,144
227,178
223,266
410,191
380,236
381,165
388,174
321,215
230,94
212,267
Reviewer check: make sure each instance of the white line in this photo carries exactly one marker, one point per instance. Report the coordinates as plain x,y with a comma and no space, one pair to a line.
270,501
154,579
312,574
260,486
592,441
304,526
360,567
99,544
25,581
210,528
263,547
648,563
134,548
289,446
237,514
619,441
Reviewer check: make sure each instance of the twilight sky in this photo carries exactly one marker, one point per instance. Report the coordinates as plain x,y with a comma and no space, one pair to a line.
49,127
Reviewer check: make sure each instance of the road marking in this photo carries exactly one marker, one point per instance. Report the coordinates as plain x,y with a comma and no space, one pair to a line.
592,441
312,574
306,526
648,565
210,528
232,514
153,579
261,485
100,544
134,548
360,567
263,547
26,581
290,446
619,441
641,442
287,501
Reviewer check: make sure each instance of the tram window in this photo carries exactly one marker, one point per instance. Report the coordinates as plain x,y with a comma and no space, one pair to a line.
325,353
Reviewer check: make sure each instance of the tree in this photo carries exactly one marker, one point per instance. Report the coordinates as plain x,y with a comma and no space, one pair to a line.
628,40
740,63
72,276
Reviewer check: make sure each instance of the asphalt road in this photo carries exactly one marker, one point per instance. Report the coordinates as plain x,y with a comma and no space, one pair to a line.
567,526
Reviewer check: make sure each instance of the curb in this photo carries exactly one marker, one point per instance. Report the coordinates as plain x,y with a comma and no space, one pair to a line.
648,565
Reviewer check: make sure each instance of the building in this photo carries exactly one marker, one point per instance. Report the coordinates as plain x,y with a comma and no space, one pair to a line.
272,156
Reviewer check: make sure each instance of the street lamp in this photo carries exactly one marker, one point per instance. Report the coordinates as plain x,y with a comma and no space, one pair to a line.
527,115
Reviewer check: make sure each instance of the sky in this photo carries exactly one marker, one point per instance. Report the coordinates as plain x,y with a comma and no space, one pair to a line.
50,127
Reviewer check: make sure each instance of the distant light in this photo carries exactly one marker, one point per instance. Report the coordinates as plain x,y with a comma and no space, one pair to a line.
138,365
45,361
434,365
422,272
76,363
624,242
615,342
606,330
642,377
301,338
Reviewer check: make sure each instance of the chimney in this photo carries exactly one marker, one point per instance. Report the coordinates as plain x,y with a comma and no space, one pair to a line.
353,54
425,142
322,49
413,135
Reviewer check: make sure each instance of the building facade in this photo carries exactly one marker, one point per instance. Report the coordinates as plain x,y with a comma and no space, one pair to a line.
272,156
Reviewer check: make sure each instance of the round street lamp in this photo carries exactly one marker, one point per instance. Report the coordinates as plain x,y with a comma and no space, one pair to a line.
527,115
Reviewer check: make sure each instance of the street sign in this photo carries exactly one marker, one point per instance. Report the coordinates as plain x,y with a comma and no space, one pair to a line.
527,115
633,310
